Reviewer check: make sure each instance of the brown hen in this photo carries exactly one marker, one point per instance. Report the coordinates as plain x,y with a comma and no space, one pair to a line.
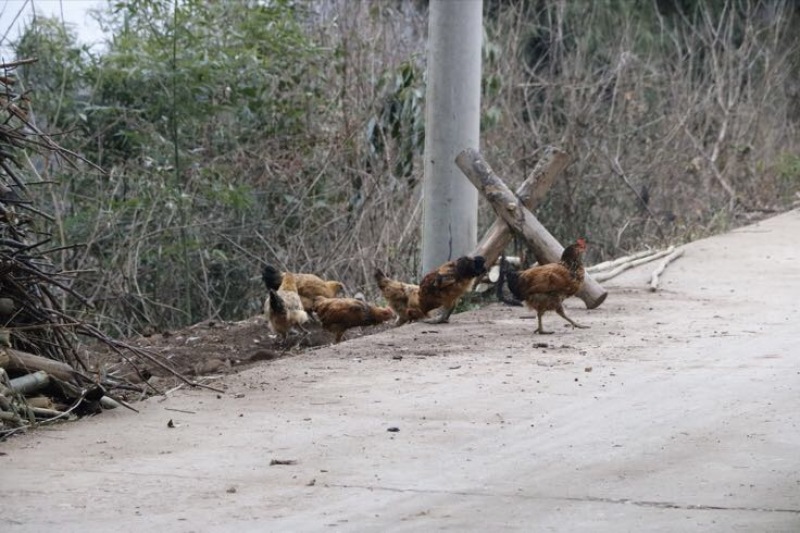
403,298
283,307
543,288
445,285
309,286
337,315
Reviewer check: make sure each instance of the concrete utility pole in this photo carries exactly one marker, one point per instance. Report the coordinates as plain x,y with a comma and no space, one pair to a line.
452,123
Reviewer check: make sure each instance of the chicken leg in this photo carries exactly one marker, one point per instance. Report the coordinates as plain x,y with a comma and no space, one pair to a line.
540,330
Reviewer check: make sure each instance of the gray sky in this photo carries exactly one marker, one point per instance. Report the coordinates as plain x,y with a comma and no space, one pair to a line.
14,14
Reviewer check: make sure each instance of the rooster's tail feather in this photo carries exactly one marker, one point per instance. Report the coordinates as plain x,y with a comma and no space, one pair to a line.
272,277
276,304
511,277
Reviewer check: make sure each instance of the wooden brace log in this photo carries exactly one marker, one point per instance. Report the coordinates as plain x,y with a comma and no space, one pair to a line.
531,191
546,248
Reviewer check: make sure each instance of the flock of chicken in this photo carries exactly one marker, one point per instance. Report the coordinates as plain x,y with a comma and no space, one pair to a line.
293,297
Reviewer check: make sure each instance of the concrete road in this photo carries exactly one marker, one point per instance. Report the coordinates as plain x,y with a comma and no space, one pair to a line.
677,411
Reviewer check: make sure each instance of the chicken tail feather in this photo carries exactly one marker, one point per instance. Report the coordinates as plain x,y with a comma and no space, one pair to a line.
380,278
507,274
272,277
276,304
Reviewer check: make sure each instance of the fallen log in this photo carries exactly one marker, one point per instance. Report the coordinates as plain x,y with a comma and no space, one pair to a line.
41,412
42,402
5,403
30,382
11,359
11,418
531,192
654,278
546,248
109,403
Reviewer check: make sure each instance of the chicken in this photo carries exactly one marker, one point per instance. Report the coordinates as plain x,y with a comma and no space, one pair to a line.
309,286
445,285
340,314
283,307
403,298
543,288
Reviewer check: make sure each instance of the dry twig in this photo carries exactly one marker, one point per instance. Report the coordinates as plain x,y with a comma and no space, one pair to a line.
654,278
608,265
604,276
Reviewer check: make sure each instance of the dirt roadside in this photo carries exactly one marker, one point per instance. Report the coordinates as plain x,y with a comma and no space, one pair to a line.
677,411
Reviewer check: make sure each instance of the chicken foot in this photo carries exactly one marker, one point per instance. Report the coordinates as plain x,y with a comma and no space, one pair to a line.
560,310
563,315
443,318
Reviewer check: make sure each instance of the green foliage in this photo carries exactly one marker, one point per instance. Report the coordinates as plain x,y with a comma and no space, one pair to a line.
170,67
399,119
788,174
57,73
167,107
491,84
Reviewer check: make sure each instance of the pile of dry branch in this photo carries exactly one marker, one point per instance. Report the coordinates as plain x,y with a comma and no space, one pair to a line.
43,375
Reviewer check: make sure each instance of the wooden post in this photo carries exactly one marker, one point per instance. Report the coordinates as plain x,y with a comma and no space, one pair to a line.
531,191
546,248
452,121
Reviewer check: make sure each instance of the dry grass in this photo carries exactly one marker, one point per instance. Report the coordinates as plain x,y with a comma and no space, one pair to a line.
676,129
